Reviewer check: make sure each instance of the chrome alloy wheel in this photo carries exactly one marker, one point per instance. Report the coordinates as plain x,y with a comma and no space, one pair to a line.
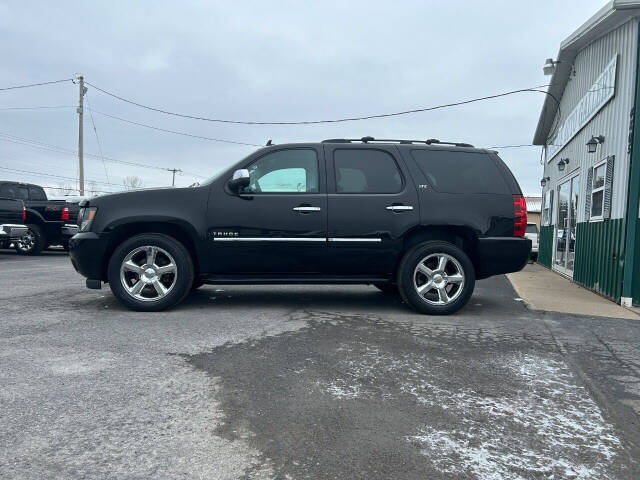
439,279
27,242
148,273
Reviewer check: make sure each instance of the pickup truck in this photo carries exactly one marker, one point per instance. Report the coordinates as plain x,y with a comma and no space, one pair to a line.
49,222
12,215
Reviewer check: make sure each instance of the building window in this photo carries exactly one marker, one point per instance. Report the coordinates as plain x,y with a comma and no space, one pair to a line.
547,207
597,190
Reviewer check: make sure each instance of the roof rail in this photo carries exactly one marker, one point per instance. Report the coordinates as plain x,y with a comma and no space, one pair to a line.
430,141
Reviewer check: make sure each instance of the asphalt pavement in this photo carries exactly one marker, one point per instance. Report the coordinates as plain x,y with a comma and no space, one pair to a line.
300,382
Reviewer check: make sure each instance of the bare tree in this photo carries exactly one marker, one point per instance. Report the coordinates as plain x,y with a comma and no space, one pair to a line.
65,189
132,182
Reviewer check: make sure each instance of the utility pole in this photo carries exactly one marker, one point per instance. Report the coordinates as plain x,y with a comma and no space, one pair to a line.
82,90
174,170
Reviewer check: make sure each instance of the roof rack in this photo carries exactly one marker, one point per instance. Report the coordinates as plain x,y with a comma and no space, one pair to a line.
430,141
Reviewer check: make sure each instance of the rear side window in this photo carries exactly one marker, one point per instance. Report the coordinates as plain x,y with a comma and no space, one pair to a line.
23,193
366,171
8,191
36,193
531,228
460,172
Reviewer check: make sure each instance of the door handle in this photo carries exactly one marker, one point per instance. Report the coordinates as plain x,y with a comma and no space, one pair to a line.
400,208
306,209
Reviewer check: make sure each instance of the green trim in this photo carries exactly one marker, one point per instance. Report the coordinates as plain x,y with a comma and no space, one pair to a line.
545,246
599,250
633,198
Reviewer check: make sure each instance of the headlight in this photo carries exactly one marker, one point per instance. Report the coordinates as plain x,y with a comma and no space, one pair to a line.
85,218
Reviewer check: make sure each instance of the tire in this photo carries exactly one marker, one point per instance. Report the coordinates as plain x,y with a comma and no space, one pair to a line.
426,257
149,290
32,243
388,288
65,245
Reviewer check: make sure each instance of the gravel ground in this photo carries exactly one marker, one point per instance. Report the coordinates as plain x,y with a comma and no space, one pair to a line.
307,382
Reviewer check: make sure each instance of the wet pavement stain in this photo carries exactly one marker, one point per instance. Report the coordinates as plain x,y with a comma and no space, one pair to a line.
355,397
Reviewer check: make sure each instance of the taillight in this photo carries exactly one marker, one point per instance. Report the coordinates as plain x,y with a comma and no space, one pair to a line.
24,213
519,216
65,213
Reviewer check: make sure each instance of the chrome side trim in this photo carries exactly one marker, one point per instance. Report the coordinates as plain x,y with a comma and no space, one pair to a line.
341,239
269,239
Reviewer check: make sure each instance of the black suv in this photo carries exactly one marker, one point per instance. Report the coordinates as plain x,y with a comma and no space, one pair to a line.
425,218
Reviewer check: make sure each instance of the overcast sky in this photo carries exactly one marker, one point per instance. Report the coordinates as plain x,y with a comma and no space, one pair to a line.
270,61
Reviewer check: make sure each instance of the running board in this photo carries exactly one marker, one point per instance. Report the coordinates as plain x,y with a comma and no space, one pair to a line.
288,280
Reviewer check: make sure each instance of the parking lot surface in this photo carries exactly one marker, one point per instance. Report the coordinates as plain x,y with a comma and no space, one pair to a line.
307,382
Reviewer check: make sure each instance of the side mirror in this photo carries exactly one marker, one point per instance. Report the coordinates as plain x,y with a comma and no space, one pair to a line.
239,180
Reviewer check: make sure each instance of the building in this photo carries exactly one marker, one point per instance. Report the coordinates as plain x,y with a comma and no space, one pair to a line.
591,138
533,209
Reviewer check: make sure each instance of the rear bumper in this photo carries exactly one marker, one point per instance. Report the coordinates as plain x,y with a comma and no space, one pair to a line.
86,251
69,230
499,255
12,232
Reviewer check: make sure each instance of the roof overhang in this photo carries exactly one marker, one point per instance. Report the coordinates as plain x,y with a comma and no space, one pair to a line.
608,18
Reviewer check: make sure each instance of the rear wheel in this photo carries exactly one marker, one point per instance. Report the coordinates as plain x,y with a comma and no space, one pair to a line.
150,272
32,243
436,278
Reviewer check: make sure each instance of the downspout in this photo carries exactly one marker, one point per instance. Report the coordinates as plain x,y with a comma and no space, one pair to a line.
633,197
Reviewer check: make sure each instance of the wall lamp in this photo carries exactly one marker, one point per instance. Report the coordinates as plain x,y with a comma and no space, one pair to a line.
592,145
549,66
543,182
562,164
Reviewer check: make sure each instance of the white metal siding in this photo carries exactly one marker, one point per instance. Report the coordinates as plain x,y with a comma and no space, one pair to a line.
612,121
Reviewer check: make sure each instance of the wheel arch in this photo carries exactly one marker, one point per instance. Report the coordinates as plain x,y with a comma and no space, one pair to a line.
33,217
177,229
463,237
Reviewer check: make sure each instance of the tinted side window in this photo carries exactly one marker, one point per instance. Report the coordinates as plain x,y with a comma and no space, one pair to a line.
531,228
366,171
460,172
284,171
7,191
37,193
23,193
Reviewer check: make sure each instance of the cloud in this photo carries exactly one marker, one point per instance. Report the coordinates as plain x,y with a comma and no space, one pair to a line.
278,61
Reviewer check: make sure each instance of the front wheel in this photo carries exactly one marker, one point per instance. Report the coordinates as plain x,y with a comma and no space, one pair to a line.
150,272
436,278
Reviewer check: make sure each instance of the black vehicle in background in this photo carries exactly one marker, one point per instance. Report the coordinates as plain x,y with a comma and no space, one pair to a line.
12,216
49,222
423,218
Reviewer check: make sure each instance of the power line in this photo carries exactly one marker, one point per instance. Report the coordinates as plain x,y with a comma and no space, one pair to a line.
311,122
37,84
514,146
58,149
42,174
177,132
38,108
98,140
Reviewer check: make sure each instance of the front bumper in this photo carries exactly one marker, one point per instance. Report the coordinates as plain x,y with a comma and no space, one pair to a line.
498,255
87,251
12,232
